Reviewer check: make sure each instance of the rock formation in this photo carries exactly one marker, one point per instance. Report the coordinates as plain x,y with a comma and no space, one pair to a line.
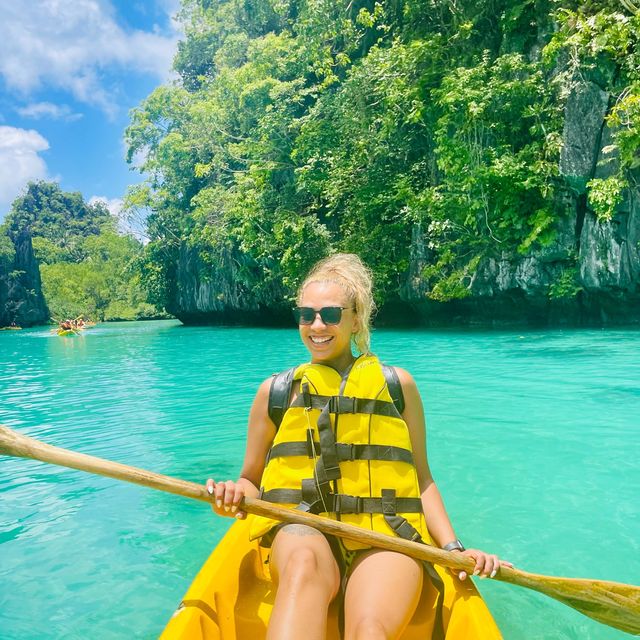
203,295
21,299
599,261
589,275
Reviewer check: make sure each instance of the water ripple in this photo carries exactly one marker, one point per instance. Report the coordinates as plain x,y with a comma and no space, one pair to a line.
533,438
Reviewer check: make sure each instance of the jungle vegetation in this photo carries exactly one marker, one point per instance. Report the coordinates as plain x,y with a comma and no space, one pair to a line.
297,127
87,267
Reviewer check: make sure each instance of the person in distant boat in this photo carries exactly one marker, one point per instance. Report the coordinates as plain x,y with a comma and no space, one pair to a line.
344,437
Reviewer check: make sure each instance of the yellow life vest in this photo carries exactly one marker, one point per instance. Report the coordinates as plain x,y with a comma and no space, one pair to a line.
344,451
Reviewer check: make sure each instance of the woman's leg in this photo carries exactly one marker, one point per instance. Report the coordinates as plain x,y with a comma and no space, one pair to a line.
307,578
382,593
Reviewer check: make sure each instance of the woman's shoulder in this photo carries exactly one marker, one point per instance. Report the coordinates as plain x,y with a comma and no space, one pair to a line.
404,377
262,395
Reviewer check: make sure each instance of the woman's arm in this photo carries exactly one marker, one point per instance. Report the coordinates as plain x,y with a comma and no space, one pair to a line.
260,434
438,522
436,516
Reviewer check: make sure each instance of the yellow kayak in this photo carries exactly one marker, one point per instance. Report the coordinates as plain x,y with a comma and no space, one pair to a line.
66,332
232,596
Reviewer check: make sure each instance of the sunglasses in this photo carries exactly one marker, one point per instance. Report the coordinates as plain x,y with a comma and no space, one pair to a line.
328,315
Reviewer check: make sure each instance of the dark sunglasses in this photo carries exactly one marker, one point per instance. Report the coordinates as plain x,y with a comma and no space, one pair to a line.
328,315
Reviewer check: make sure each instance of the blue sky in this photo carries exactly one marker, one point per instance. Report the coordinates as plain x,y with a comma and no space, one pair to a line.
70,71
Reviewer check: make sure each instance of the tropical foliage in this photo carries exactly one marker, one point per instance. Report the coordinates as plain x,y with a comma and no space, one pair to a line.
412,132
87,267
600,41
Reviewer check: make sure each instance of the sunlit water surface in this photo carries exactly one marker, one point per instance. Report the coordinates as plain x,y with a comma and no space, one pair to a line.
534,439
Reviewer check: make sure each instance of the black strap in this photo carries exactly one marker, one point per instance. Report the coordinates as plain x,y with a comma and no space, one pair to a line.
345,451
337,503
279,394
309,498
347,404
390,507
281,384
394,386
327,466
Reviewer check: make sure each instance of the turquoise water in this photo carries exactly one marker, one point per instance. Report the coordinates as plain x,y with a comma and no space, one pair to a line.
534,439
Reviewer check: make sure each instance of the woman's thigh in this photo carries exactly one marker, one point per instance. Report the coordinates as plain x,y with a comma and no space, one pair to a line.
306,552
382,594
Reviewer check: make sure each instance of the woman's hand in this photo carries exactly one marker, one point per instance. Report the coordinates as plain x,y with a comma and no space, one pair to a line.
487,565
228,496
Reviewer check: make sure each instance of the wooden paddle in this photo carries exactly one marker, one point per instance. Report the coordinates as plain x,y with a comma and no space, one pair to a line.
612,603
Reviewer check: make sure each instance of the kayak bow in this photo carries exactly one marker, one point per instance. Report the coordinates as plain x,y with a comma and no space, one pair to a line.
232,597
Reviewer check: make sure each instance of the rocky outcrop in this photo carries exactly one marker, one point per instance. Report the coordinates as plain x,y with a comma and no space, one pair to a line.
590,274
219,294
21,299
585,112
610,263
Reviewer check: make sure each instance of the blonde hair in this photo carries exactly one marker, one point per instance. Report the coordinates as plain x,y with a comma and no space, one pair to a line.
355,278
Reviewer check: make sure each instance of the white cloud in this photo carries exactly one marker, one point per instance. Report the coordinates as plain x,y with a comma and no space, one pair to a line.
73,46
19,162
133,223
113,204
39,110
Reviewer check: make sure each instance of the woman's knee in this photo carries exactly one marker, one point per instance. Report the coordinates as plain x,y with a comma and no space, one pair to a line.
303,568
367,628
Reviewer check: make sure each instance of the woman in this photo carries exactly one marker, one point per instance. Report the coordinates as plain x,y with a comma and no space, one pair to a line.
382,482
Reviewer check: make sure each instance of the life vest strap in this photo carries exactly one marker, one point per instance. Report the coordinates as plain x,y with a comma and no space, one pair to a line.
279,394
347,404
327,467
340,503
346,452
282,383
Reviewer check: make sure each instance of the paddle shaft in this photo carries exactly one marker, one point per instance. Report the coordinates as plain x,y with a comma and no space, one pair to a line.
611,603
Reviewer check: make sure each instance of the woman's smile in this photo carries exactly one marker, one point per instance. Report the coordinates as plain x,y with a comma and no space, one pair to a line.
320,339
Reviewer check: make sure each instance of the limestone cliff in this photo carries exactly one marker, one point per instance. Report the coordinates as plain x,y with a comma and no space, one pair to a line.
220,295
21,299
590,274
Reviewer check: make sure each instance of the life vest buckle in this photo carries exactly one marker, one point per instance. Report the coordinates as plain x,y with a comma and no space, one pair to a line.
342,404
347,504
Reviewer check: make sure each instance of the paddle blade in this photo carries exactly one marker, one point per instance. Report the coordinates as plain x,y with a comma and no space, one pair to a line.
612,603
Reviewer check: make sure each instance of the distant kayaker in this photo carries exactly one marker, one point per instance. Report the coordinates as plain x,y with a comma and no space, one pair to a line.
344,437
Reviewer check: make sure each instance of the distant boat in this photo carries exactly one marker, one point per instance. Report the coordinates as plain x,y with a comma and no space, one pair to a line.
72,327
12,328
67,332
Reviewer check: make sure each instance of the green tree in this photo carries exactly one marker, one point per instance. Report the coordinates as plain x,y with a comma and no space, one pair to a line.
59,219
7,250
384,128
87,267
